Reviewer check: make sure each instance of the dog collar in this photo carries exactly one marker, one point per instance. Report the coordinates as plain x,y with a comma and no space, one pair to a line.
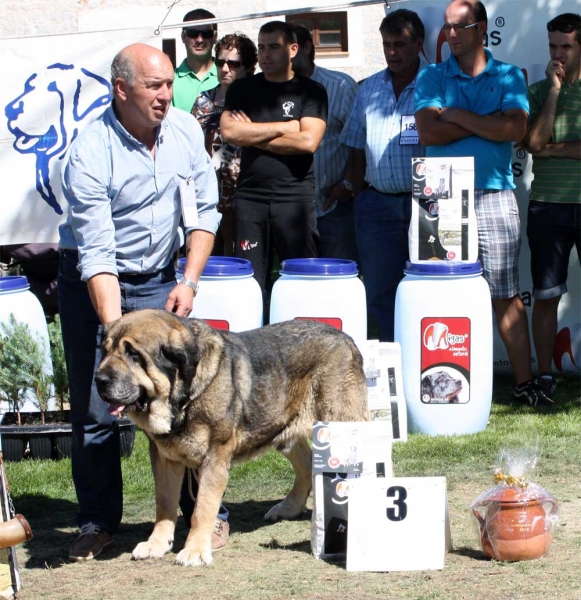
193,286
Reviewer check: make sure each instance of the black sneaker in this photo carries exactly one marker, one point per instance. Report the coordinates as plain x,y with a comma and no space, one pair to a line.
548,384
533,394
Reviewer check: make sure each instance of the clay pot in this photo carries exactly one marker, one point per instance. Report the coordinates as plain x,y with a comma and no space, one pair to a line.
515,525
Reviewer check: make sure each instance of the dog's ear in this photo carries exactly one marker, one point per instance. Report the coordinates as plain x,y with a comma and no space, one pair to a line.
181,350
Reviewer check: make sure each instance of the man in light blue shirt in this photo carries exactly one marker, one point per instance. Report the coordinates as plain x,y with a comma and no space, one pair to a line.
381,132
125,179
333,188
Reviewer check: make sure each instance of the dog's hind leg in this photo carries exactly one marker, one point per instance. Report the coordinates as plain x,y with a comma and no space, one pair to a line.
296,501
168,476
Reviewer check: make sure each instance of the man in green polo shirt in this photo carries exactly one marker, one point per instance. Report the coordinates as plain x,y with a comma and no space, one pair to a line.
554,139
197,73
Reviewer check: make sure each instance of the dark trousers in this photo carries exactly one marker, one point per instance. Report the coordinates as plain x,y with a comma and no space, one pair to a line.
337,231
290,228
96,462
382,223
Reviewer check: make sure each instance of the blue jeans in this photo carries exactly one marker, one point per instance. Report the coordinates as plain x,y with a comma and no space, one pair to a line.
96,462
337,231
382,223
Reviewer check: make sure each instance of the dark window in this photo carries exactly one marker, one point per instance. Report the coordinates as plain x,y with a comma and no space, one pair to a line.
329,30
168,46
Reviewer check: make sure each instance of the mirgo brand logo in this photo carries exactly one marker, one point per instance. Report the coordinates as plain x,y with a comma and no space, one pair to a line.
445,360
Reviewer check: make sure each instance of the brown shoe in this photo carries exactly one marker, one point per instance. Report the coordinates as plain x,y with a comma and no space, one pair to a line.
90,542
220,535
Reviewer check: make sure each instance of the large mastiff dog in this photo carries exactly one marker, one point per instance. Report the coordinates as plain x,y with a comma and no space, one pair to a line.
206,398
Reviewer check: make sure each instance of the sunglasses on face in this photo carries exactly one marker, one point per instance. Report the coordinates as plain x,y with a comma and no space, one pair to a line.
207,34
232,64
458,27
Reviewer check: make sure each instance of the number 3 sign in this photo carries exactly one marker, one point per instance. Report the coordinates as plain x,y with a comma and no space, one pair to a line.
398,524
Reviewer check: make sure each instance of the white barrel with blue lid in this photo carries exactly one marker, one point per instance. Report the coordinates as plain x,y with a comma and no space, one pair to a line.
443,321
322,289
17,299
228,298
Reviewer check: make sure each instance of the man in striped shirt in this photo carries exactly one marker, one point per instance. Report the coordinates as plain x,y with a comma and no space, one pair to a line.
383,137
554,215
333,187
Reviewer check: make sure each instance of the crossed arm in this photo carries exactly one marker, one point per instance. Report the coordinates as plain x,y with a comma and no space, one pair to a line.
437,127
285,137
537,139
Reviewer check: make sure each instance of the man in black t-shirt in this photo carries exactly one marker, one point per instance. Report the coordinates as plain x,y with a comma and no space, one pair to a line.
279,119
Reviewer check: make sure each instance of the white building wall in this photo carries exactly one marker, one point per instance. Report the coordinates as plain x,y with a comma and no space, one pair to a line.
23,18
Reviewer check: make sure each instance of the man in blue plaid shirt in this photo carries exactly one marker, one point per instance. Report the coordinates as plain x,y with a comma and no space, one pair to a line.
383,138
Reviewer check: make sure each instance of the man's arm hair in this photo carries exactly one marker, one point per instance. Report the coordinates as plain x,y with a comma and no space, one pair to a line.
106,296
435,132
541,129
245,133
305,141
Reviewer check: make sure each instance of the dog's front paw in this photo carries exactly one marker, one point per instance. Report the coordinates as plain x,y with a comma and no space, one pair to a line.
194,557
151,549
284,510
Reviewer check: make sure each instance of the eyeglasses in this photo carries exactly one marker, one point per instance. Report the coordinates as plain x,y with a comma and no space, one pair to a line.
207,34
458,27
232,64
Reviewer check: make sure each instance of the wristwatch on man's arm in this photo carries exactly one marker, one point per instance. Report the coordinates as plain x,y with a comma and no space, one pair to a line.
193,286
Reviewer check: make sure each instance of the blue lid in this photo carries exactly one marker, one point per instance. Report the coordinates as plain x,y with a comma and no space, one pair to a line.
13,283
443,267
222,266
318,266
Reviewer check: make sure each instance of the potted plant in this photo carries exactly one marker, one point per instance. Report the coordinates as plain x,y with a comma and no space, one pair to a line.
24,373
17,345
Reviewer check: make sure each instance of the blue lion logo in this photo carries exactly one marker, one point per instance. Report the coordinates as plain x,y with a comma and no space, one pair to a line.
34,135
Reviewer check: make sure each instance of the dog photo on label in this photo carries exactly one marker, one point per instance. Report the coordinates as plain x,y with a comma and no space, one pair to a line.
207,399
441,387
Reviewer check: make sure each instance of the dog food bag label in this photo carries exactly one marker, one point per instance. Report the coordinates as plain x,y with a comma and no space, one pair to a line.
343,451
445,360
443,225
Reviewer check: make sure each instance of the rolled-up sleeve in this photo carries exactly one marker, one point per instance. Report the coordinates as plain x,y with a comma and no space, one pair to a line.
205,183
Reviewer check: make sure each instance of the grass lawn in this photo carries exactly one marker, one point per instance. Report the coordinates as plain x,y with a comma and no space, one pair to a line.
273,561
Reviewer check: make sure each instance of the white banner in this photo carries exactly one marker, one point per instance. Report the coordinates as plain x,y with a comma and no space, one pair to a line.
53,87
517,34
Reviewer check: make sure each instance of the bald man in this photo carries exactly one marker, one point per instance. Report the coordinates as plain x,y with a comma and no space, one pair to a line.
121,179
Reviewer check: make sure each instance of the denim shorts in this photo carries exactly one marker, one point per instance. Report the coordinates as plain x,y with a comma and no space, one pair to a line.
553,229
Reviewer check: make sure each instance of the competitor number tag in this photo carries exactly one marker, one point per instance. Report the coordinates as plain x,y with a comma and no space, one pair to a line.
409,131
189,204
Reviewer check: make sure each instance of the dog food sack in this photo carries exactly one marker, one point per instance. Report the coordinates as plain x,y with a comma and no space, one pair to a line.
342,452
385,398
443,224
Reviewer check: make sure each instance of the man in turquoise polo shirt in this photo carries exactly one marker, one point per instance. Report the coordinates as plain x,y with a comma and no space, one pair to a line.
197,73
474,105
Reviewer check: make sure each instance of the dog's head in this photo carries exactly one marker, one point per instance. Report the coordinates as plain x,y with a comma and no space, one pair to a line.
149,361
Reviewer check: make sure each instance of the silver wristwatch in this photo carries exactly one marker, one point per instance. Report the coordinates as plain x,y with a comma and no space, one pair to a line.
190,284
348,185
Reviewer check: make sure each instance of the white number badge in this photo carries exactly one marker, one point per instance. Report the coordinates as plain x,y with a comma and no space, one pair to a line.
409,131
